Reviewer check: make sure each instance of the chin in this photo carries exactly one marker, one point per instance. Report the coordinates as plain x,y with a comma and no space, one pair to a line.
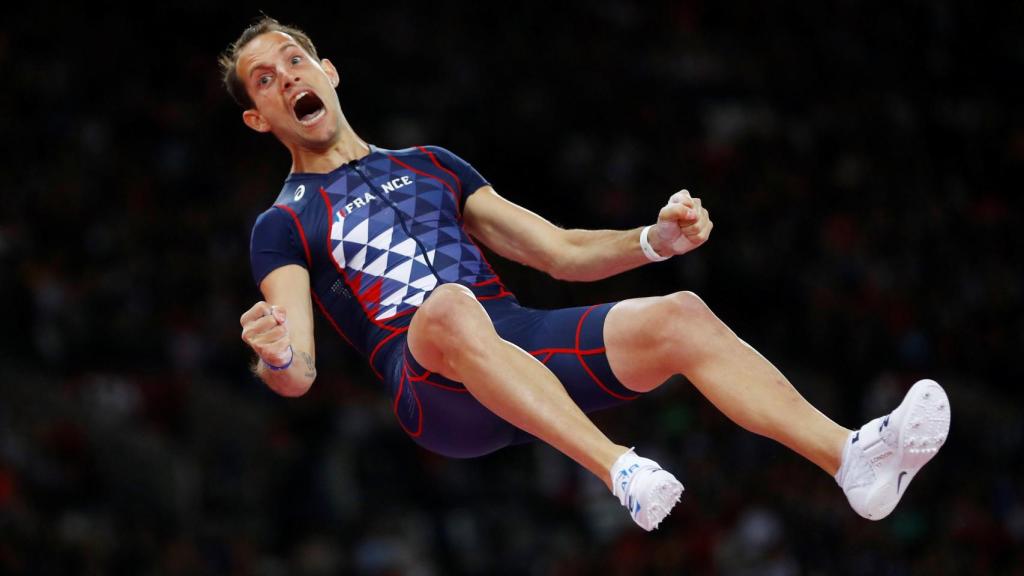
324,136
319,142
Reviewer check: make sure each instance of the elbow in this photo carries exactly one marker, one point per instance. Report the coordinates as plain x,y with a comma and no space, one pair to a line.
560,269
564,264
294,388
563,274
290,387
569,275
574,260
569,269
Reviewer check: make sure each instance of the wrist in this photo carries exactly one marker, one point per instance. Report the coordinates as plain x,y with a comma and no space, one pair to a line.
647,248
281,365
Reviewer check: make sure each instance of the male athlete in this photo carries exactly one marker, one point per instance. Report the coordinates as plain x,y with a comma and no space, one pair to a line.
384,243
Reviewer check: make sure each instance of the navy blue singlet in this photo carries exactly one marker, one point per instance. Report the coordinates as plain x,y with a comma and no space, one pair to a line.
377,235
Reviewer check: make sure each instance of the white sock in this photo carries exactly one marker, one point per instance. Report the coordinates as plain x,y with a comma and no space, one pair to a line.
844,460
621,464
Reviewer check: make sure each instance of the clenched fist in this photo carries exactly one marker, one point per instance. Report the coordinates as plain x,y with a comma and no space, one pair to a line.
683,224
265,330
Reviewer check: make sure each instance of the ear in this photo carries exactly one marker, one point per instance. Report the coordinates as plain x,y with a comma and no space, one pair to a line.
331,72
253,119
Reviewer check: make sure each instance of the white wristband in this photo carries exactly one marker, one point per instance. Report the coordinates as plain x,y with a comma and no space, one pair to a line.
648,249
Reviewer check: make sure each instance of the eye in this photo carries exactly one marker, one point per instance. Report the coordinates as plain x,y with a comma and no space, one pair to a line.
264,80
296,59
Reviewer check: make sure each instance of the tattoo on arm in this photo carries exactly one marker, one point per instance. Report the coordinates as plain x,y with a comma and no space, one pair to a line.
310,367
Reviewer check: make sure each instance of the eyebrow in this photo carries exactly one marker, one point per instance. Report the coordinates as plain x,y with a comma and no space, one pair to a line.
279,50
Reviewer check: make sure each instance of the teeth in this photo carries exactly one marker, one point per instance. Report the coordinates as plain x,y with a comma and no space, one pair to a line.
313,118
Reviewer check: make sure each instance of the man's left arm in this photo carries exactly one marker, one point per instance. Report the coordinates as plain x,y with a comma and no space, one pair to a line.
583,255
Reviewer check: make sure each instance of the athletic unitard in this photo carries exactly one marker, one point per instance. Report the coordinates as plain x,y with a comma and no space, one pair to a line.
377,235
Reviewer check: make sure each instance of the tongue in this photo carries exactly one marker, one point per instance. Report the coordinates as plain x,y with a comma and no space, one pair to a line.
307,107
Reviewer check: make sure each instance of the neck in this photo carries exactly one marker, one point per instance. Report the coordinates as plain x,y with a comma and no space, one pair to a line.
346,148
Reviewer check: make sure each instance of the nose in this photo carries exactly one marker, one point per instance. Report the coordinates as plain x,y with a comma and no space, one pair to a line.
288,81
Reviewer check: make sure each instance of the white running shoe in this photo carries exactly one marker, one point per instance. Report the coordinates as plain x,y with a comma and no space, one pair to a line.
881,458
645,489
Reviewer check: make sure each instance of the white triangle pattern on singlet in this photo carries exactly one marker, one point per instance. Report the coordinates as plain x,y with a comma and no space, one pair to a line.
382,261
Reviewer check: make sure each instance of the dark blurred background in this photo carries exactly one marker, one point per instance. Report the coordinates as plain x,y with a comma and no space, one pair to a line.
863,163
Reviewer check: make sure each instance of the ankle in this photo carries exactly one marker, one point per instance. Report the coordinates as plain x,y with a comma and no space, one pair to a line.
843,460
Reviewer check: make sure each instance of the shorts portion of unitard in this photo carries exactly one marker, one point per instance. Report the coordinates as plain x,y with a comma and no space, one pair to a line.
443,417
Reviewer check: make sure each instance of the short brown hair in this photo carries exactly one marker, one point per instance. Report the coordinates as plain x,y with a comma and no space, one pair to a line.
229,58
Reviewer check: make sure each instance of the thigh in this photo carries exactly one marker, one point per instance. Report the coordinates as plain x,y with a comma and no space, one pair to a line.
439,414
648,339
634,335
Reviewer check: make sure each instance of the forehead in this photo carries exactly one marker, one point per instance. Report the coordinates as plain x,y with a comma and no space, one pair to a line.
261,49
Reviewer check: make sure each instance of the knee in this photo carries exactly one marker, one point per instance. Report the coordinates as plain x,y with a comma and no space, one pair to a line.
451,315
684,321
686,303
685,306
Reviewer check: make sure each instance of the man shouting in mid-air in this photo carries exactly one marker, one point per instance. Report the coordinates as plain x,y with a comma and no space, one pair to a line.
384,243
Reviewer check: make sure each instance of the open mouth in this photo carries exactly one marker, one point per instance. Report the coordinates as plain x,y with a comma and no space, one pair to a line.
308,108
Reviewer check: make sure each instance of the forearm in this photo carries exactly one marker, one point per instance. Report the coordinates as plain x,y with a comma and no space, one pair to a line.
595,254
295,380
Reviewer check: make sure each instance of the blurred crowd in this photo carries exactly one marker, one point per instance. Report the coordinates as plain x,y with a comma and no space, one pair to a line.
863,165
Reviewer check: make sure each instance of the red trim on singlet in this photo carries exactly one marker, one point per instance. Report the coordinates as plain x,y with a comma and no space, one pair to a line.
426,375
378,346
501,294
458,211
462,193
302,232
330,255
574,351
425,380
405,312
419,407
309,262
330,319
486,261
579,356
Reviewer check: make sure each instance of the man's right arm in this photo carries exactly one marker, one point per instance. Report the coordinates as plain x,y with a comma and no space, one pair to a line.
280,331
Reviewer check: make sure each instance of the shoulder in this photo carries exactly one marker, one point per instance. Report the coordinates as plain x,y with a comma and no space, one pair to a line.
441,163
444,155
428,152
297,193
271,220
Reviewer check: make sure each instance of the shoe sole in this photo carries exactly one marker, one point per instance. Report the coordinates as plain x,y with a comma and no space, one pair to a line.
662,497
923,425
